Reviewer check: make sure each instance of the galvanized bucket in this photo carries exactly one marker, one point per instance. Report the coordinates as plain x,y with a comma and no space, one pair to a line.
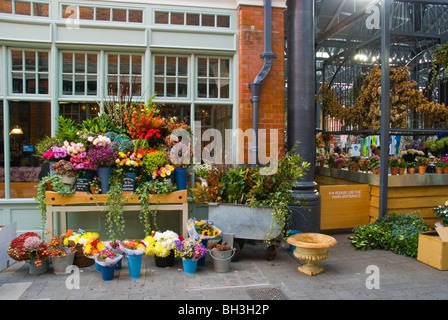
222,259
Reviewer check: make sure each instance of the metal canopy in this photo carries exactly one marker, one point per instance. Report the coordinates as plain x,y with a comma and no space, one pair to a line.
407,36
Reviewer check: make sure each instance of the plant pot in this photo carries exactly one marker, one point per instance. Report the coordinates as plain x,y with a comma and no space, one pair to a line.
338,165
393,171
164,262
49,186
189,265
80,259
104,175
94,190
42,268
411,170
321,164
445,169
69,182
134,265
107,272
421,169
401,171
439,170
61,263
180,176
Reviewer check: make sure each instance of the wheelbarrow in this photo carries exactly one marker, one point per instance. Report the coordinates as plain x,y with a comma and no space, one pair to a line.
247,223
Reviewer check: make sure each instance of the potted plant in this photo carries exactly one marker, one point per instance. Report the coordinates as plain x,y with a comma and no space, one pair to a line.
190,251
338,162
161,245
95,185
411,166
202,172
30,247
402,166
320,160
394,164
422,164
103,158
66,170
440,165
374,164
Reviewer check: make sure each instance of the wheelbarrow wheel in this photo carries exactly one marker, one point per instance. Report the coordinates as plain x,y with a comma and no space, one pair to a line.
238,244
271,252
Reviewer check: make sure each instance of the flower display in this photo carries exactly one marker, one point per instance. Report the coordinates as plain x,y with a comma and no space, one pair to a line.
203,229
82,162
164,172
57,248
131,160
160,244
133,247
189,249
64,167
93,246
81,237
153,160
102,156
28,246
108,257
202,170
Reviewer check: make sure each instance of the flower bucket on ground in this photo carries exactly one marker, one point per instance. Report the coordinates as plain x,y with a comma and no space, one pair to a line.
134,251
107,259
161,245
189,249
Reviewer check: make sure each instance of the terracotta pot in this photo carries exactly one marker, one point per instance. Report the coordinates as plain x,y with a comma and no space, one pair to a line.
411,170
393,171
401,171
445,170
421,170
375,171
321,164
439,170
338,165
94,190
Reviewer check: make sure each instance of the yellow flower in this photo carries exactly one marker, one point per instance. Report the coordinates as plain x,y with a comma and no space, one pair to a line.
215,232
163,175
87,248
100,246
200,223
206,233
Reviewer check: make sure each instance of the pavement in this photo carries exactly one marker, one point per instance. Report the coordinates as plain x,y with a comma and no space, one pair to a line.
349,274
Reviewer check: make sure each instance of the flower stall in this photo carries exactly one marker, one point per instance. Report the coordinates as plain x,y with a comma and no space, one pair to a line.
135,161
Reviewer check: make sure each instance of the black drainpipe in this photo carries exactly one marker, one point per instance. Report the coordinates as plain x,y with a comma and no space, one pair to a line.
255,87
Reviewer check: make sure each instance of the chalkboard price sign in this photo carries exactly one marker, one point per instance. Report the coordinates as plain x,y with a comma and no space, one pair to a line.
128,184
82,185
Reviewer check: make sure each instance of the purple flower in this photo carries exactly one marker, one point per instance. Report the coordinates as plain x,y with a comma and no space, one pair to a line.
102,156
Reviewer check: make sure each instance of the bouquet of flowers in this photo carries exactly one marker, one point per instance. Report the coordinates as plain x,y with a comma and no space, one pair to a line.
131,160
81,162
203,229
80,237
102,156
202,170
56,153
64,168
108,257
164,172
133,247
189,249
57,248
28,246
93,246
160,244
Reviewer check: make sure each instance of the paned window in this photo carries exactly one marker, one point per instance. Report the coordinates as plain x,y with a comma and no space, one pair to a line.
79,73
29,70
26,8
124,75
171,76
213,78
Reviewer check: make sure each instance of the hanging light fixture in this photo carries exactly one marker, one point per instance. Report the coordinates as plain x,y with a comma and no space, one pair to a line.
16,130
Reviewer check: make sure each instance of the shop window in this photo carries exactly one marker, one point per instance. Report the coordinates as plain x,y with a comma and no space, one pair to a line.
29,72
180,111
171,76
213,78
2,155
124,75
78,111
29,123
79,73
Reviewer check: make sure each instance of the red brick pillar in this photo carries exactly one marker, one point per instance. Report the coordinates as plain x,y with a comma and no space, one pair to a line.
272,96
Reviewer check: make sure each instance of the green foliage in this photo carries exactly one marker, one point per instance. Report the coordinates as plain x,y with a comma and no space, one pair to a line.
45,144
58,186
396,232
153,161
100,124
67,130
115,223
237,184
441,212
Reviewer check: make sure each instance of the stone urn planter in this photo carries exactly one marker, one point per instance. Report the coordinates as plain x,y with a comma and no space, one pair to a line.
311,248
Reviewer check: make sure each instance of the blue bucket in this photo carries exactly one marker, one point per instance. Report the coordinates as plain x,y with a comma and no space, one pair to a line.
180,176
107,272
190,265
134,265
104,175
293,232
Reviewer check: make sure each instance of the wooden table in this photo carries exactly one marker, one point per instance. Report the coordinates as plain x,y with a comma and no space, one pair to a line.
83,202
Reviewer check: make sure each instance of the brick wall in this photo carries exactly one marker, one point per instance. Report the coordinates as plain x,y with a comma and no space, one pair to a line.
272,97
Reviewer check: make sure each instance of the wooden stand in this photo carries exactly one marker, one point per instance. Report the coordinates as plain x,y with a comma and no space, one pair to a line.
83,202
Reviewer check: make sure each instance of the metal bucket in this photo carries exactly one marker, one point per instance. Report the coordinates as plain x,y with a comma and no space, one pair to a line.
222,259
